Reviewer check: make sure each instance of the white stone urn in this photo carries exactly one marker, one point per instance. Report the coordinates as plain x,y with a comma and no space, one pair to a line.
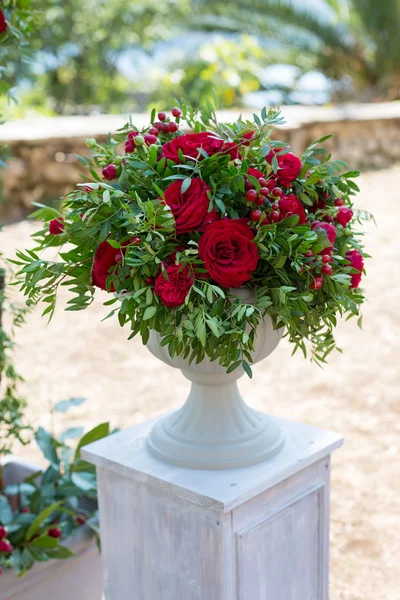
215,429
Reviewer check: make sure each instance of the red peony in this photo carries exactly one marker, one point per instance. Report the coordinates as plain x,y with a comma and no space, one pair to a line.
344,215
330,232
357,262
172,292
289,167
189,145
189,208
3,24
105,258
56,226
229,252
291,205
109,172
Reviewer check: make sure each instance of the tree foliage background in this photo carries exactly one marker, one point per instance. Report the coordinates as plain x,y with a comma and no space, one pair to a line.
80,44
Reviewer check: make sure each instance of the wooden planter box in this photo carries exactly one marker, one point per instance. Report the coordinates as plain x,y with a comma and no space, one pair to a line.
77,578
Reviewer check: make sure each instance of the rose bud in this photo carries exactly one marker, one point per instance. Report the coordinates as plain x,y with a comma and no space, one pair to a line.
56,226
55,532
176,112
5,546
344,215
150,139
110,172
356,262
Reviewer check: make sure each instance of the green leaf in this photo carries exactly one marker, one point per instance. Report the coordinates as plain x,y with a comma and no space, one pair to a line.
65,405
152,156
35,525
48,445
6,515
149,312
247,369
342,278
97,433
44,541
185,185
70,434
60,553
213,326
84,481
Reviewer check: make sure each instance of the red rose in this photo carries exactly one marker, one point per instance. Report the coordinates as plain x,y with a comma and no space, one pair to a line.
357,262
56,226
232,149
291,205
3,532
3,24
189,145
330,232
289,167
189,208
105,258
228,252
110,172
172,292
208,219
344,215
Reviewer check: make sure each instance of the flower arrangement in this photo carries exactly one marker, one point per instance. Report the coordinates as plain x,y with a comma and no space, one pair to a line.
171,222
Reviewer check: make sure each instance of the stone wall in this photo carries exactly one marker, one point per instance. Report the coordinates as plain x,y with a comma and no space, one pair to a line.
39,171
43,164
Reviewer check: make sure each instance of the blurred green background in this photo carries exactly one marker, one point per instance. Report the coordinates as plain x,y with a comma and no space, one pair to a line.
102,56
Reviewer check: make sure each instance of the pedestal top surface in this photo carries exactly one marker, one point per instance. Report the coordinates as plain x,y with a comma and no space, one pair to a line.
126,453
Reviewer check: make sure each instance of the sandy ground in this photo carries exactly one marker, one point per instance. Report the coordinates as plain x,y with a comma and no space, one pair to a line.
357,395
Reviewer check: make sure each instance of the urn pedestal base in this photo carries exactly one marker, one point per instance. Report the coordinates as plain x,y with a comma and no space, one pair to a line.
215,429
256,533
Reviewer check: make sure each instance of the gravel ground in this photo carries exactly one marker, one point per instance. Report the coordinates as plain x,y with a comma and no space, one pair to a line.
357,395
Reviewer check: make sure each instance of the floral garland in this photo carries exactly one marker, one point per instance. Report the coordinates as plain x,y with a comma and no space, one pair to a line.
176,220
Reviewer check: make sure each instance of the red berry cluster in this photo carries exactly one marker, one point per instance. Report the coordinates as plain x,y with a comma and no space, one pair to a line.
5,546
163,125
267,198
318,263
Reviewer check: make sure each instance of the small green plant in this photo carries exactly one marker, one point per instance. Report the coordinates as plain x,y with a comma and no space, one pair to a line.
17,22
13,426
40,513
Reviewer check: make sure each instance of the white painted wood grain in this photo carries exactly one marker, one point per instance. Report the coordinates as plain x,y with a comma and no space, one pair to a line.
158,547
258,533
278,558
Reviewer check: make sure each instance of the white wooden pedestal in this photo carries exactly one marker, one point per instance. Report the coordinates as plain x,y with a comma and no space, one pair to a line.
258,533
